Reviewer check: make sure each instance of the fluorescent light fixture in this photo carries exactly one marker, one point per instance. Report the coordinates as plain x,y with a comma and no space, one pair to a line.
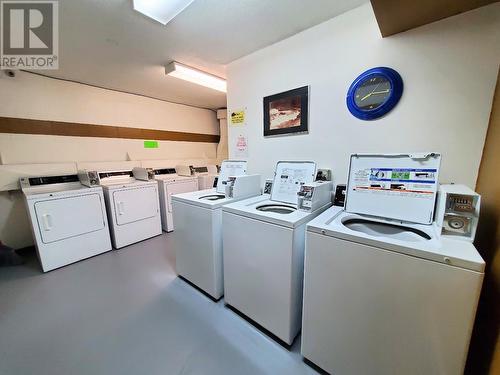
162,11
187,73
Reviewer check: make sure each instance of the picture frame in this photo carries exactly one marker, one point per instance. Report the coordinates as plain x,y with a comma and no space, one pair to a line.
287,112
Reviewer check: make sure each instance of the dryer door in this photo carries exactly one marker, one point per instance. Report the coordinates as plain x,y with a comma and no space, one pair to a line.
178,188
135,204
61,218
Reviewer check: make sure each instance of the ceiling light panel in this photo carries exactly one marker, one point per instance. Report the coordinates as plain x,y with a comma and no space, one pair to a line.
162,11
199,77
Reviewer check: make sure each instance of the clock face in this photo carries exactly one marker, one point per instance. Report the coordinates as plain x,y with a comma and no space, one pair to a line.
372,93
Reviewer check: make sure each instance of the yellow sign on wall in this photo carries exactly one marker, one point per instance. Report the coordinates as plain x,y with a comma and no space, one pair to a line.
237,118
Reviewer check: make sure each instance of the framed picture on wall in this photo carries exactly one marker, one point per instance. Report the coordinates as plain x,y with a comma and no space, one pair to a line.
286,112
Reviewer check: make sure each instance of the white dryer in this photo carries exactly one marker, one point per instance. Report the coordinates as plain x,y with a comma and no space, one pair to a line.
198,229
383,292
263,240
171,183
68,219
132,204
206,176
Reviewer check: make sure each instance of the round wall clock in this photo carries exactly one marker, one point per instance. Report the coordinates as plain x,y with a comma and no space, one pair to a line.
374,93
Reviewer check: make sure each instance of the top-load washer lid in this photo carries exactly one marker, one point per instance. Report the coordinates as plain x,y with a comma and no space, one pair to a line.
395,186
281,214
230,168
417,240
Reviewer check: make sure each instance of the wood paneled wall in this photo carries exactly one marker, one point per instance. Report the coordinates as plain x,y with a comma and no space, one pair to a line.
26,126
484,354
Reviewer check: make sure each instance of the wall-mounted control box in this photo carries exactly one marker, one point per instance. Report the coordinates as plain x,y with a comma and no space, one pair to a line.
457,211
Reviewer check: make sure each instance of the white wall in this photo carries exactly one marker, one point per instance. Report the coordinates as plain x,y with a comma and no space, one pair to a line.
449,70
35,97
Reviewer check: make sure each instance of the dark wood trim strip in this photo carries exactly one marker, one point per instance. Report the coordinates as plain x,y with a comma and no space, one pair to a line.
26,126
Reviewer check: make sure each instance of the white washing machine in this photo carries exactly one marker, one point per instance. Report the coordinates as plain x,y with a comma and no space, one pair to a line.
383,292
263,240
206,176
132,204
198,232
68,219
171,183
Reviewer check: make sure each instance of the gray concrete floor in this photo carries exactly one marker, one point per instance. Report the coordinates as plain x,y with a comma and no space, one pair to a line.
126,312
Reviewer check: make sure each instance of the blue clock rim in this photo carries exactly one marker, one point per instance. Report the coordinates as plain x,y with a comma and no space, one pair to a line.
397,91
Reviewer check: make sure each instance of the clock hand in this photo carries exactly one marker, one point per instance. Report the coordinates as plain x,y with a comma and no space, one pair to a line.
368,95
380,92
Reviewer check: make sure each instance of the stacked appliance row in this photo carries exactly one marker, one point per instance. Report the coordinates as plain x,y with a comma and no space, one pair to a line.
386,284
74,217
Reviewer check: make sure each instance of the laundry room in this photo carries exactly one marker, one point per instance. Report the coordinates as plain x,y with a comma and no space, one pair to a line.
249,187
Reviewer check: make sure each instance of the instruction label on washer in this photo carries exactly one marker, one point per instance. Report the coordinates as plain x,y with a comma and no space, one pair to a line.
420,183
291,180
289,177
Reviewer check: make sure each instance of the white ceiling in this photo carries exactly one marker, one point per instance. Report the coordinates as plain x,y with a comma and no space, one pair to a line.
106,43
